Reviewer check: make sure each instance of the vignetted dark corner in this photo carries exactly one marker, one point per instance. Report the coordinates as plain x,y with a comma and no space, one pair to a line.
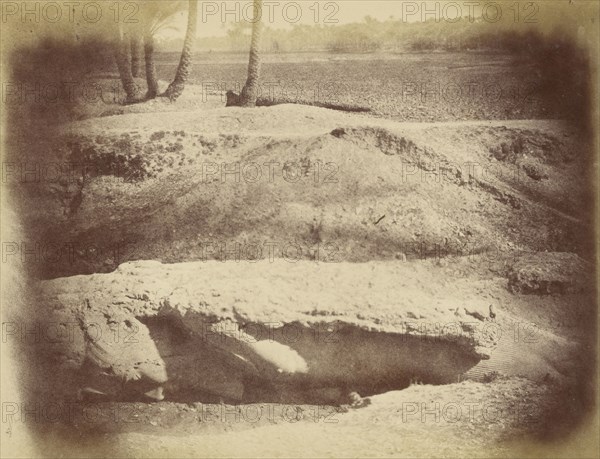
293,229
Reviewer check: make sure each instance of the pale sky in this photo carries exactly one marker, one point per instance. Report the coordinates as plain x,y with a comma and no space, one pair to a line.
215,15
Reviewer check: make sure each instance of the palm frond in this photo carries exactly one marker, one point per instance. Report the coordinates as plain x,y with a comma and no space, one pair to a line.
163,15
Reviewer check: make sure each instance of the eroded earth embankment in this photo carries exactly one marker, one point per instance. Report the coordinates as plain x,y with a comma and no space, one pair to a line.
303,183
294,254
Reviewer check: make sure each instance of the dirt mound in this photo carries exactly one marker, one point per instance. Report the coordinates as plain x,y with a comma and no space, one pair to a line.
297,182
545,274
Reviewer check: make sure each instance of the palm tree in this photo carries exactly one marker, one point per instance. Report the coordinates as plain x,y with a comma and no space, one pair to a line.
154,17
158,19
123,58
136,54
185,63
151,80
250,91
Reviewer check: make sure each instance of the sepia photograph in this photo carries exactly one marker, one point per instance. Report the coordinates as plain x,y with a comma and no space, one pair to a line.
299,229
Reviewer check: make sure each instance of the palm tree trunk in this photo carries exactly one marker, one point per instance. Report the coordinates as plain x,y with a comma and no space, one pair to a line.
185,63
136,55
151,79
122,55
250,91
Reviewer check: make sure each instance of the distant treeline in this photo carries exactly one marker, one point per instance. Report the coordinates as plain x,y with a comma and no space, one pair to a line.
371,35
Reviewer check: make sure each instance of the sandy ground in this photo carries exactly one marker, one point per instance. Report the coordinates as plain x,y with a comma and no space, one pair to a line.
151,195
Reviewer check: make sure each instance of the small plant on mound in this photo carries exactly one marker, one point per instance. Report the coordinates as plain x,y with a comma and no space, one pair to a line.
534,171
124,157
492,376
157,135
546,148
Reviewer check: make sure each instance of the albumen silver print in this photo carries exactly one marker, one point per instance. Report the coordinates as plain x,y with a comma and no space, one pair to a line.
311,228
